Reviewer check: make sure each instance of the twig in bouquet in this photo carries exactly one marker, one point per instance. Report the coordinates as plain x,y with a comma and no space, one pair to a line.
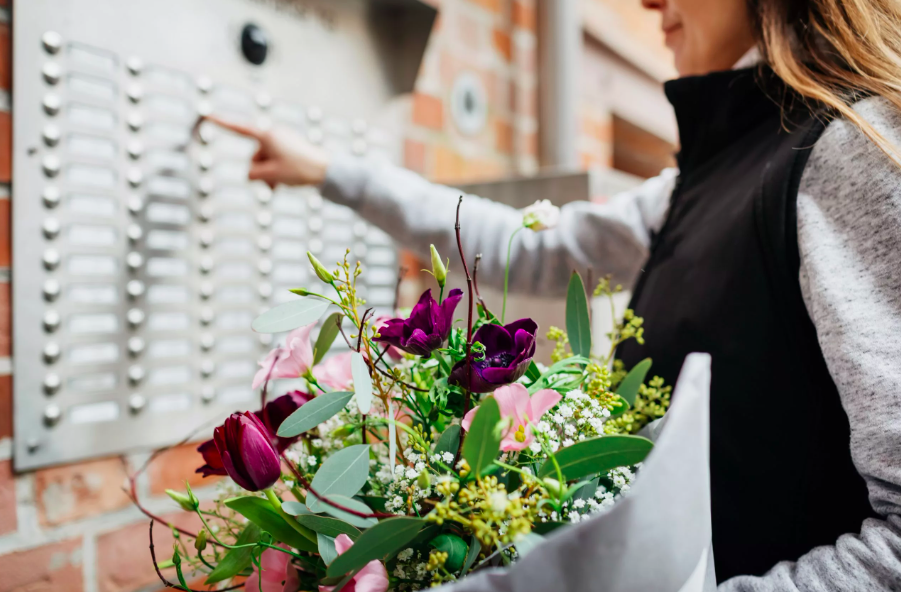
401,273
362,328
398,381
467,398
264,392
344,335
169,584
306,485
475,281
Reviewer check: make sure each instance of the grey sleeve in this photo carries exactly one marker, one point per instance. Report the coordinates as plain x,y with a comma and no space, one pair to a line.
609,238
849,235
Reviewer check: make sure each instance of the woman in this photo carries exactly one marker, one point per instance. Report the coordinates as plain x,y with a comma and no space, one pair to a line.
775,248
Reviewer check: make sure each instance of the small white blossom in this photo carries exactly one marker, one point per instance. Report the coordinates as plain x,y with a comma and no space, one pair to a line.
447,457
541,215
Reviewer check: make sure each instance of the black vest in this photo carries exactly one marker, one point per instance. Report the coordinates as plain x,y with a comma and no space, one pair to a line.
722,278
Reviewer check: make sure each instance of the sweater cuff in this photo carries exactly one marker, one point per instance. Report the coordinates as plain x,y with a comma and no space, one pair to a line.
345,181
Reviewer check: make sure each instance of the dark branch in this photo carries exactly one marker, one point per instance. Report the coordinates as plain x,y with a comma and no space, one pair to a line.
306,485
169,584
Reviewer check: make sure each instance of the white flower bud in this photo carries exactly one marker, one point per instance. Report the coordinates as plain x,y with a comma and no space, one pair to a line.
541,215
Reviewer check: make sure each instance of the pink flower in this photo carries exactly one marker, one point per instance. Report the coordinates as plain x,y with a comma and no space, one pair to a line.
372,578
291,361
520,409
278,573
334,372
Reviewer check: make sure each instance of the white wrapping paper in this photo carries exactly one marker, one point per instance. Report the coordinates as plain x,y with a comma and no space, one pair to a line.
656,539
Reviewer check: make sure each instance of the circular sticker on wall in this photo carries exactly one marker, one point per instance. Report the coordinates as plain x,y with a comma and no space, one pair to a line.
469,103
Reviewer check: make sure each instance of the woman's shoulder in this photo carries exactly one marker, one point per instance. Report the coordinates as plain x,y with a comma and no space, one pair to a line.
845,161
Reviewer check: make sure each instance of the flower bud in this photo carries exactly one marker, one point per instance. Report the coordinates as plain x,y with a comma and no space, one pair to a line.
541,215
423,480
186,502
200,541
300,291
438,268
553,486
321,272
246,452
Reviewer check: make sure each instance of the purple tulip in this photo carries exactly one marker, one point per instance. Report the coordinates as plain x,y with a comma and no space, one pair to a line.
427,328
508,351
277,411
243,449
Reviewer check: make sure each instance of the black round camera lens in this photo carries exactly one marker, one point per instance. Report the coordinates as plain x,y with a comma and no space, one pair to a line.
254,44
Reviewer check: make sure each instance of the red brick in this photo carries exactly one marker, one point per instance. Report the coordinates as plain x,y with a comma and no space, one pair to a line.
6,406
5,234
5,324
531,144
504,140
524,15
503,44
8,522
6,140
81,490
5,58
51,568
428,111
448,165
123,556
415,156
172,468
490,5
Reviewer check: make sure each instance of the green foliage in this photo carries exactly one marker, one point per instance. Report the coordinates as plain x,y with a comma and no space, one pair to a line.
350,504
313,413
380,542
260,512
290,315
578,320
456,549
483,442
628,388
652,402
449,440
362,381
236,560
343,473
327,334
328,526
598,455
327,549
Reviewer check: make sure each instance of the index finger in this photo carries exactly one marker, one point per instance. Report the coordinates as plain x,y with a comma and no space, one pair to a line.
244,130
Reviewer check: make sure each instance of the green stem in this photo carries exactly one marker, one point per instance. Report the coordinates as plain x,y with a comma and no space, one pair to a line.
277,504
514,469
440,294
507,273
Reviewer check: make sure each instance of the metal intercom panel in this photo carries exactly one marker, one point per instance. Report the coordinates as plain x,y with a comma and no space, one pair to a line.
141,252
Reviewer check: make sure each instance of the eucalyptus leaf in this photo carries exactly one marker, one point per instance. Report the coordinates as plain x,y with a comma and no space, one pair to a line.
578,321
456,549
293,508
598,455
236,560
327,549
327,334
350,504
474,548
449,441
343,473
628,388
378,543
328,526
313,413
359,369
290,315
483,442
260,512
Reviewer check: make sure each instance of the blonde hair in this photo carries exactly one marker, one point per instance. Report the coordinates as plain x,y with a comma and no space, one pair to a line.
835,52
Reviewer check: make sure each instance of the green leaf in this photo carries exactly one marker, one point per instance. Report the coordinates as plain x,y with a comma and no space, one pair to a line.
578,322
621,407
260,512
327,549
313,413
598,455
378,543
546,528
350,504
359,369
449,441
533,373
327,335
290,315
474,548
456,549
375,502
236,560
293,508
343,473
628,388
328,526
483,443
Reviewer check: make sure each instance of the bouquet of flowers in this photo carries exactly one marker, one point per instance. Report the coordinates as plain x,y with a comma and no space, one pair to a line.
431,449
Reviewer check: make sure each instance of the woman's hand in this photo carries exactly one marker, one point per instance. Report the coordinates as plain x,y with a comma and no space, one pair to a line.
284,157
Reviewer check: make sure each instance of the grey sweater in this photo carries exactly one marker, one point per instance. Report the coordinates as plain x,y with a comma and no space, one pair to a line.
849,237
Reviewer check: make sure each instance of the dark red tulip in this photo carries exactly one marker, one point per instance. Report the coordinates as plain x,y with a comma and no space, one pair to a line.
243,448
